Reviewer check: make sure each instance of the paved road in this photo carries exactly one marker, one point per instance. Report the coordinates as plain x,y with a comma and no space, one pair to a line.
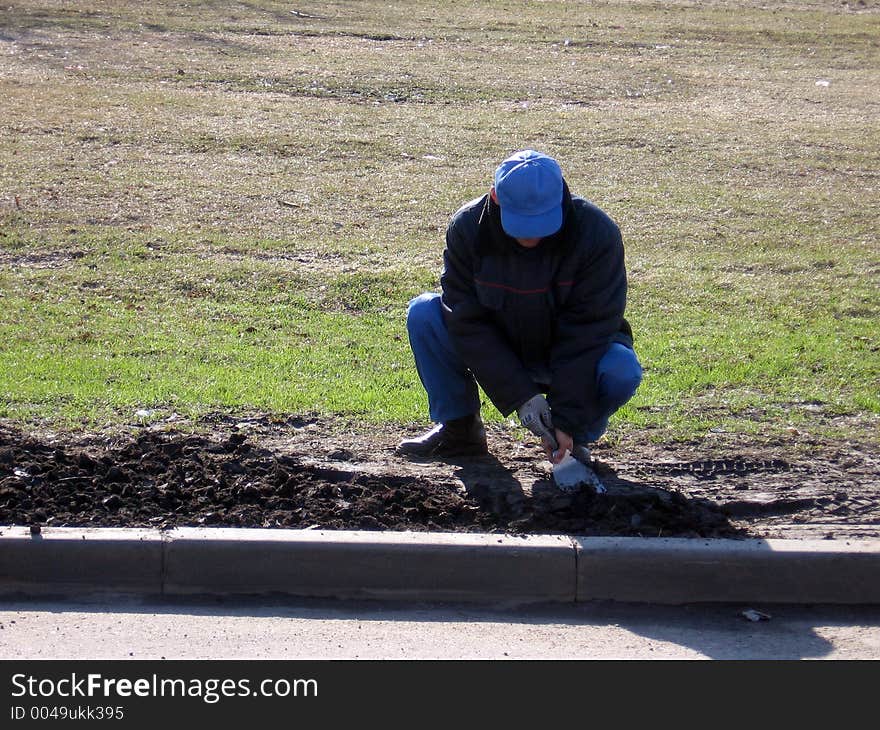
124,628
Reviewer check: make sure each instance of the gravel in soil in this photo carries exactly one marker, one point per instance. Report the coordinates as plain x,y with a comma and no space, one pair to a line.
303,472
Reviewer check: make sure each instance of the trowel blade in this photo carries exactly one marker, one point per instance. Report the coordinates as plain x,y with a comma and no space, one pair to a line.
570,475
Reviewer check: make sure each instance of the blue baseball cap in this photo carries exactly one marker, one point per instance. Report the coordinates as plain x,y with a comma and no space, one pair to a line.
528,185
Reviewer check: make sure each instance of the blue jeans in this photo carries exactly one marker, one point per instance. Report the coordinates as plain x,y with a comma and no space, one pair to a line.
452,389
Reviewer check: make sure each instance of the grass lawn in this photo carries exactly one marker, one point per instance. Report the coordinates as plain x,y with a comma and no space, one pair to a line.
227,205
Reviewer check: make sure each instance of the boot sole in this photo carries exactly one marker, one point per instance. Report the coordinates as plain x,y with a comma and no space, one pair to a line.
439,451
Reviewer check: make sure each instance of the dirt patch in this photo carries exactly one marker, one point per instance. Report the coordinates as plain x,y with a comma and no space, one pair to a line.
305,473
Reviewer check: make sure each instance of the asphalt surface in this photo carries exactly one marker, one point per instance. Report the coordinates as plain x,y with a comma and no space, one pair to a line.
410,566
209,628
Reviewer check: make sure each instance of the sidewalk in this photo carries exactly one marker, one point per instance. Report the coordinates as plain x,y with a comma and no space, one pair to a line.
435,566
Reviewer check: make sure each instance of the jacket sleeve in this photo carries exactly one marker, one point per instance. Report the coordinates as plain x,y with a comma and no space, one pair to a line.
586,325
477,338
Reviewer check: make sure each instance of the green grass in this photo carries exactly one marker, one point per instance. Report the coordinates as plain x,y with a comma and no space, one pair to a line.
127,328
227,206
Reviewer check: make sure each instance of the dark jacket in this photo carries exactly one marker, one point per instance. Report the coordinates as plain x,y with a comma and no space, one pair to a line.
513,312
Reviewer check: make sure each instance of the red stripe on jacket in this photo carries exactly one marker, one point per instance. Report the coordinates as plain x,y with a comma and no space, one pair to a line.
521,291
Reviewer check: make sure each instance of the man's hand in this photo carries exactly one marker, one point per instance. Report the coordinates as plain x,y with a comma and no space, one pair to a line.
564,442
534,414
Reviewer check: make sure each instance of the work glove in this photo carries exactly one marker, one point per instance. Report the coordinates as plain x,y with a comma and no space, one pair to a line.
534,414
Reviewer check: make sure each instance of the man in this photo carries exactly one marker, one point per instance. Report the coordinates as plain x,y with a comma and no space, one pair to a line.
532,304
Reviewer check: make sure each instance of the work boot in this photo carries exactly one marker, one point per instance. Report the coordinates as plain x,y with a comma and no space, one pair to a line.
460,437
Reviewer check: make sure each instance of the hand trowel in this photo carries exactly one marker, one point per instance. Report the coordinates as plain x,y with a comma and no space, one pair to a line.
570,474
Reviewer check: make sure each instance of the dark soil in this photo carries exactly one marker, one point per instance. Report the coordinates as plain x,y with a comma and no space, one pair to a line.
304,473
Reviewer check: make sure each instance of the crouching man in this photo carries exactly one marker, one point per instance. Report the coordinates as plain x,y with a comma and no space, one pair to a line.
532,309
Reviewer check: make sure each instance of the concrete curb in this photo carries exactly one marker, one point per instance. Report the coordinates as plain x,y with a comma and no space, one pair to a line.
415,566
674,570
435,566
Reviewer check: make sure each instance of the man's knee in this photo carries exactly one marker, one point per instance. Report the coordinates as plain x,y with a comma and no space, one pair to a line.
422,312
620,373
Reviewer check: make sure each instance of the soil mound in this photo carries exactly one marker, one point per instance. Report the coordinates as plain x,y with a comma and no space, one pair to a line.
291,474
